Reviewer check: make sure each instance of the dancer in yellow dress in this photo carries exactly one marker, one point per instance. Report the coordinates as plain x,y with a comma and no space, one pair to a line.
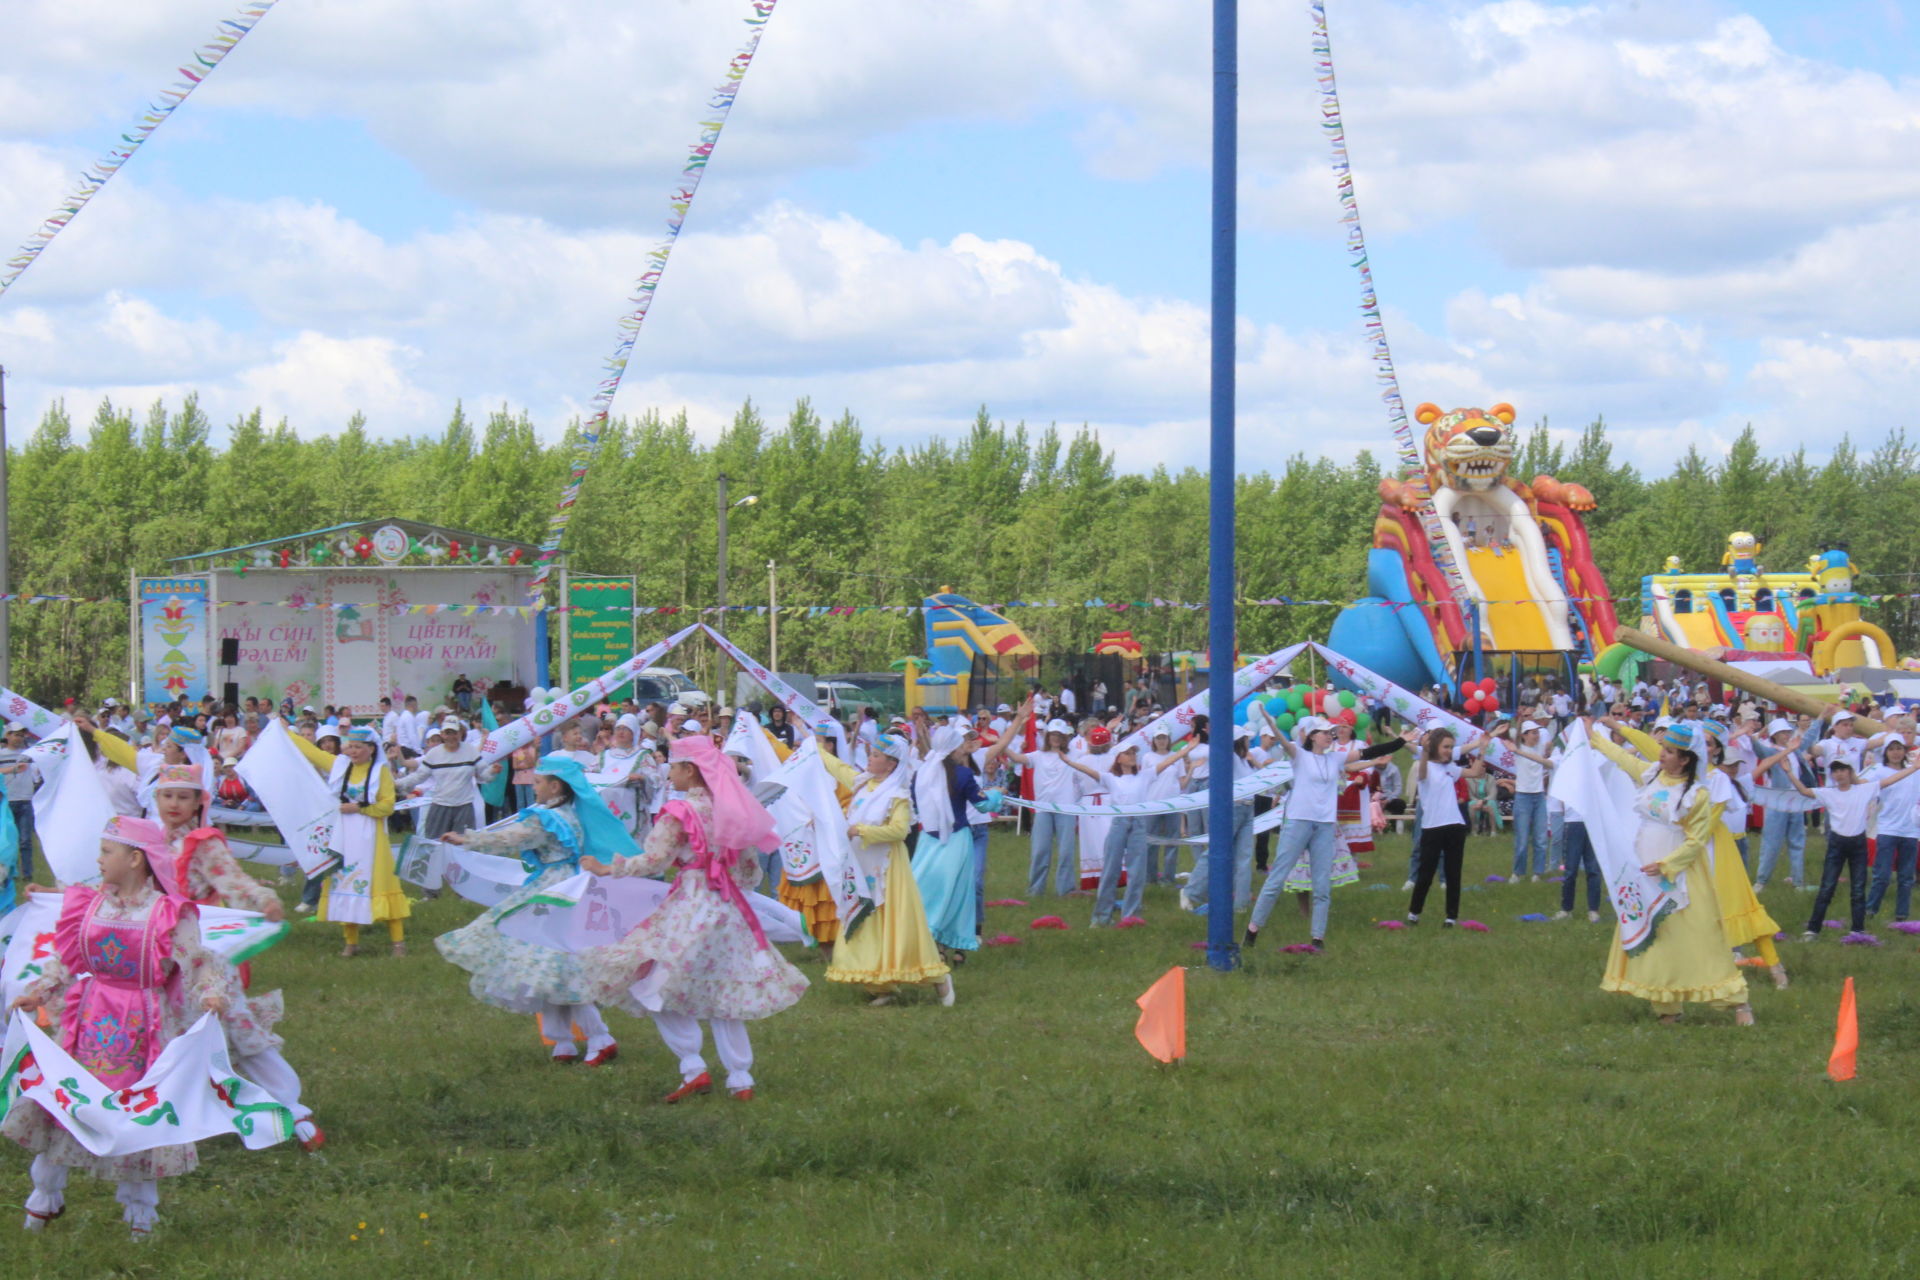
366,889
1689,960
891,946
1741,916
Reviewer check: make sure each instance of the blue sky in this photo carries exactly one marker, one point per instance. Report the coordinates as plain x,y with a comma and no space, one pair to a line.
1678,216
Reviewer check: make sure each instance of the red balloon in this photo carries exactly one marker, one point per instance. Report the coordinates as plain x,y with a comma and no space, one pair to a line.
1491,701
1487,685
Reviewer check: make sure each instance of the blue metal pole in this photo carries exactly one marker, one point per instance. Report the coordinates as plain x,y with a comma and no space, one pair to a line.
1223,951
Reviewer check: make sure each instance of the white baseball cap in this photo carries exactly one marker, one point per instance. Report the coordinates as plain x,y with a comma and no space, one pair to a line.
1002,709
1842,715
454,722
1060,726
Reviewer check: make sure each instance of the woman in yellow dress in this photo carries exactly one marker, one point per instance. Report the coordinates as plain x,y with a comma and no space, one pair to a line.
1689,960
1742,917
891,946
365,889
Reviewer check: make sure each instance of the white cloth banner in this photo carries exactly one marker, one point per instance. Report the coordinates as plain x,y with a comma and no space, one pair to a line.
189,1094
483,878
1275,775
1409,706
510,737
1176,722
595,911
267,855
1263,823
40,722
792,699
71,808
422,862
819,845
1602,797
299,802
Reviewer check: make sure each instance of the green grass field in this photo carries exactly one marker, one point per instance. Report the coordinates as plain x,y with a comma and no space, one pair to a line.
1415,1104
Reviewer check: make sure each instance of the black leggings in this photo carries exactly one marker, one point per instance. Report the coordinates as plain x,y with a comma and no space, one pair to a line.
1449,842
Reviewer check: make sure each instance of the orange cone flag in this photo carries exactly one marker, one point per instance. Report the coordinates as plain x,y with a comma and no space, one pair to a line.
1846,1037
1162,1029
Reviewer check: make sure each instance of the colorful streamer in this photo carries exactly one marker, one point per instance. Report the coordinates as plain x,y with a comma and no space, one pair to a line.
616,367
1410,706
208,56
1376,329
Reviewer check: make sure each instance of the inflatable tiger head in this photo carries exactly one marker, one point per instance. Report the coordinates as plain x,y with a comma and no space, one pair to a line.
1467,448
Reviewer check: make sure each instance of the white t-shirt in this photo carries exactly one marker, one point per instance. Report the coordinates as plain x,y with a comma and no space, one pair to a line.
1439,802
1054,780
1317,783
1161,783
1847,810
1529,776
1129,788
1849,749
1197,763
1897,804
1068,700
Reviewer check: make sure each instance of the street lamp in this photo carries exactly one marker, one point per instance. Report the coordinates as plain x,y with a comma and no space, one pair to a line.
723,507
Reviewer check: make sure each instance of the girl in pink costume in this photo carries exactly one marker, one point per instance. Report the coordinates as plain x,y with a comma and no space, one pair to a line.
701,955
136,943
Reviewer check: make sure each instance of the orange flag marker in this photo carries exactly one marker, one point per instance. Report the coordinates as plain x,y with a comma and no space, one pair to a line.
1846,1037
1162,1029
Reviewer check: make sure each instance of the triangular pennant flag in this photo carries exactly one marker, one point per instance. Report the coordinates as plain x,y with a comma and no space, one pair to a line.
1162,1028
1846,1037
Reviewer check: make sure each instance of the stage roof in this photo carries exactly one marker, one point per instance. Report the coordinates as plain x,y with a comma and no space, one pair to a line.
431,535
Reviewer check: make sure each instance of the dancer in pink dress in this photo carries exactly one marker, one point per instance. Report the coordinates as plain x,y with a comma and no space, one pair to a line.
701,955
127,975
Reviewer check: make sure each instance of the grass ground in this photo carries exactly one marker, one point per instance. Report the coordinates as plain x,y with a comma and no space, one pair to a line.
1410,1104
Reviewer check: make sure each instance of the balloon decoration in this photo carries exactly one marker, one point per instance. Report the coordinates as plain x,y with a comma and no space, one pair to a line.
319,553
286,557
364,547
513,556
1479,695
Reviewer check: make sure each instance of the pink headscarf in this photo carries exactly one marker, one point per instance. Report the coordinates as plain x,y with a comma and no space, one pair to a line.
151,838
739,821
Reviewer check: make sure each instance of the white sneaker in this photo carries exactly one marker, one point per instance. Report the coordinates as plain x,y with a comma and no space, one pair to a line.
1593,917
946,991
1412,918
1448,924
1562,915
1536,879
1407,887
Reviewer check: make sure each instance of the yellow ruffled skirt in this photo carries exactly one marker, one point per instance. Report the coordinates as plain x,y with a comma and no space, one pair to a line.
892,946
815,906
1690,960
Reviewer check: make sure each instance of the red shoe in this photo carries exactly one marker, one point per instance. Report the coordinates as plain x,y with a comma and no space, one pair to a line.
741,1095
605,1056
317,1141
702,1083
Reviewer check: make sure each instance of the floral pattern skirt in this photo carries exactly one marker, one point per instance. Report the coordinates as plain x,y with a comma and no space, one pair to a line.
520,977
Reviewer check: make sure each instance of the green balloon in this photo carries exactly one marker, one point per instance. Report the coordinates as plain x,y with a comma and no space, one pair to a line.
1297,698
1345,698
1285,722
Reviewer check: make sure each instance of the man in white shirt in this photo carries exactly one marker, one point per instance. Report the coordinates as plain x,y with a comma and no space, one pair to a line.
449,771
1000,722
1844,743
1069,701
22,777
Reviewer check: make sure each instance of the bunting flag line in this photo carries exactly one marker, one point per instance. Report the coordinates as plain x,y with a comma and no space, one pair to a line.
226,39
1176,722
1376,329
720,105
792,699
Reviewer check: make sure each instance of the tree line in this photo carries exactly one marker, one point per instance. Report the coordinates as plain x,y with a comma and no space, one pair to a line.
996,512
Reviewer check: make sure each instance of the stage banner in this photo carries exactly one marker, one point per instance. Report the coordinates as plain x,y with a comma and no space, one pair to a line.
176,659
351,637
599,629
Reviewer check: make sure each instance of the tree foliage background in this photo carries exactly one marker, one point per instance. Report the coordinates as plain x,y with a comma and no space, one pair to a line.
999,513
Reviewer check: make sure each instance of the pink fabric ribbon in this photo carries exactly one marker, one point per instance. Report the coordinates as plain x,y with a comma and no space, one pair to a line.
717,867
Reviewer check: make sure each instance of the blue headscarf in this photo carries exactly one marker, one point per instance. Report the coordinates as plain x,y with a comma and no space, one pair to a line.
603,834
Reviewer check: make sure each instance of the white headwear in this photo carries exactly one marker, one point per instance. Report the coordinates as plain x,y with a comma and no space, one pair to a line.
1307,726
930,797
874,800
1060,726
1779,727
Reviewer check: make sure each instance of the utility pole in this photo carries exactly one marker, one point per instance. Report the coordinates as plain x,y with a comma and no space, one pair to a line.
720,594
773,624
1223,950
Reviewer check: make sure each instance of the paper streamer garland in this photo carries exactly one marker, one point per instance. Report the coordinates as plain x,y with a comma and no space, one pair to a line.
513,735
642,300
1330,121
228,37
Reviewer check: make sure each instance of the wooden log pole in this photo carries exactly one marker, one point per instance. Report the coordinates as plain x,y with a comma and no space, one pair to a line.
1726,673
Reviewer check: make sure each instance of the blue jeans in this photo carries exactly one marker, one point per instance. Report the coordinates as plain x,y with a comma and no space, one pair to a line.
1240,846
1893,853
1789,829
1050,830
1126,851
1297,838
980,872
1579,855
23,822
1197,818
1529,831
1165,827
